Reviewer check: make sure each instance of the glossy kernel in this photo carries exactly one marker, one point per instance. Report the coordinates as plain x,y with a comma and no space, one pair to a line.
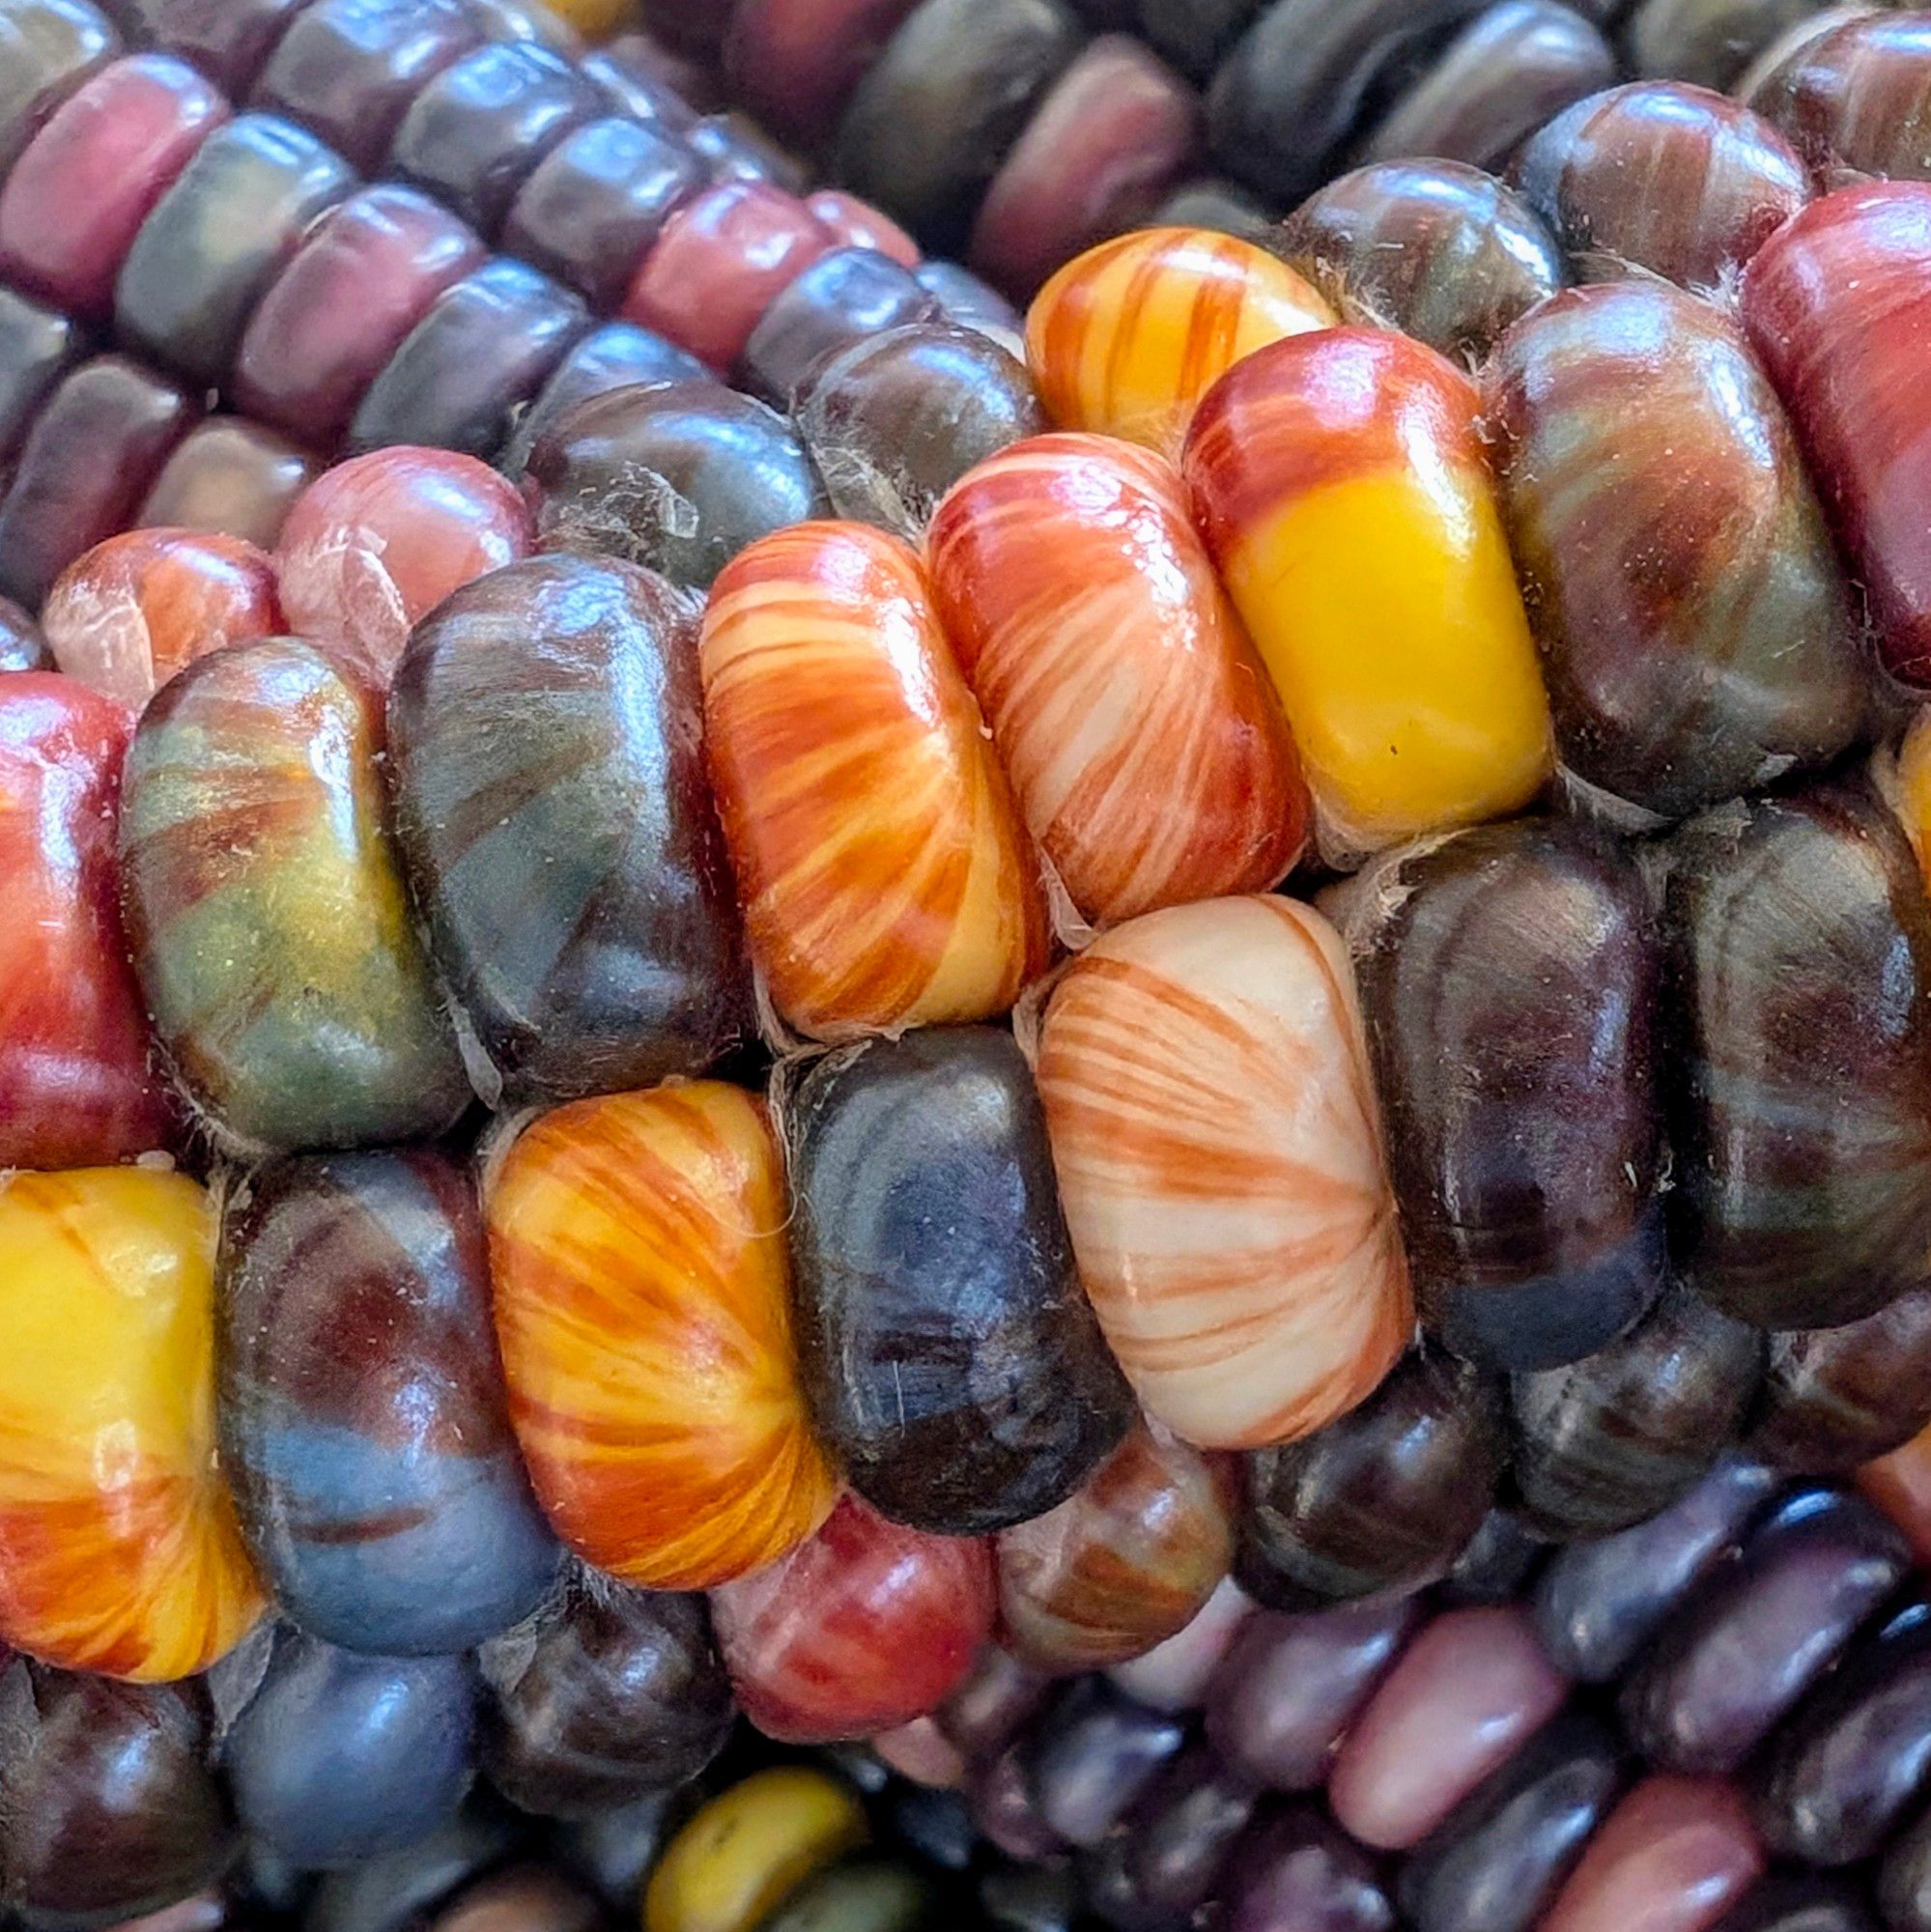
1660,177
1509,977
951,1361
647,1230
885,878
1799,948
1121,1566
893,421
1854,94
80,1086
1382,1501
1695,629
1343,492
363,278
1670,1857
750,1848
1441,250
376,543
1127,338
118,1547
1143,739
231,478
73,202
605,1695
1213,1124
364,1422
109,1805
267,912
1464,1696
134,610
546,768
721,259
862,1628
1837,305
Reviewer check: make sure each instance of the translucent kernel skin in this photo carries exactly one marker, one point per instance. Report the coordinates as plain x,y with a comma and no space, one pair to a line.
1144,741
1465,1696
1493,1865
952,92
597,201
376,543
364,1424
1838,306
677,475
844,297
647,1230
1514,66
1343,493
1606,1442
617,356
857,224
118,1551
134,610
1108,140
1846,1771
1127,338
863,1628
1599,1604
1661,177
885,877
266,910
1748,1646
349,70
48,49
80,1086
1695,628
893,421
1213,1124
215,240
1290,1689
486,347
472,135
